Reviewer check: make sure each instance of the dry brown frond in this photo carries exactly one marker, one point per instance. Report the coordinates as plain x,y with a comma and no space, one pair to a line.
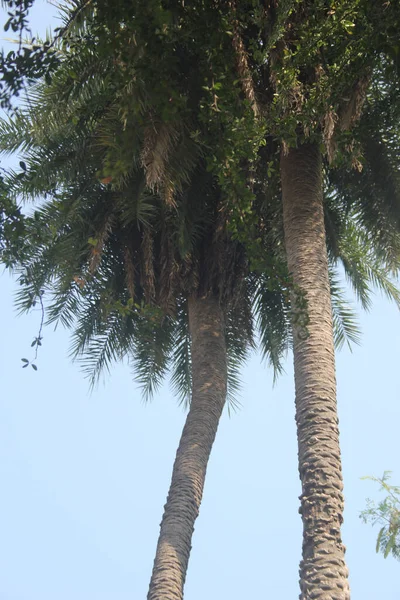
328,129
101,238
285,148
130,271
159,141
80,281
242,63
168,194
351,108
147,272
168,272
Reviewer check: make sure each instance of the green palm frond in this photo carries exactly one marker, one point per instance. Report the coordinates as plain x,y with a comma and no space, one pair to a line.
15,135
181,364
136,204
151,353
372,192
103,349
364,266
345,325
272,308
239,340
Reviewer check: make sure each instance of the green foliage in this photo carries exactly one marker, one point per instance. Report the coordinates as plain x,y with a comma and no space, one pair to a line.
12,228
115,254
345,326
160,180
385,513
29,61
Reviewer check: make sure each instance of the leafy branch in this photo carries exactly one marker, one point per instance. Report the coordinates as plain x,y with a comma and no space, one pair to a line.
387,514
37,341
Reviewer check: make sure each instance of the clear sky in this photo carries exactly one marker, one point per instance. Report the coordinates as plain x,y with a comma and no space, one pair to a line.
85,477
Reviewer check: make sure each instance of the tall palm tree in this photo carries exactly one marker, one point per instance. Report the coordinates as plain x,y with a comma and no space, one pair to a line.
140,269
315,382
323,567
318,87
374,193
323,571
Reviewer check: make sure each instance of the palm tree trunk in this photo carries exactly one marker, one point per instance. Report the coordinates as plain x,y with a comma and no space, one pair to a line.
323,571
209,375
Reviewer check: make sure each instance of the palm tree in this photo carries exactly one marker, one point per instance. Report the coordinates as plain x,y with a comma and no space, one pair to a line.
373,193
323,570
315,382
135,250
303,74
142,265
322,499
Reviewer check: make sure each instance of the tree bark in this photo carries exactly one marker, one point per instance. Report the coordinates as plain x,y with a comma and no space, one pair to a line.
323,571
209,375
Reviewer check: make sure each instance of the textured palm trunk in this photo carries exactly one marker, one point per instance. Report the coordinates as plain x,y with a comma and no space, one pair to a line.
209,374
323,571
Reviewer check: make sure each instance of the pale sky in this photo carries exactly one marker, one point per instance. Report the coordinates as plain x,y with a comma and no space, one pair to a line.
85,477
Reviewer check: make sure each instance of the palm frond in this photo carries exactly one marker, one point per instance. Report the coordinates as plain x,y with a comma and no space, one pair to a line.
103,349
181,364
159,141
345,325
151,353
364,266
272,309
239,340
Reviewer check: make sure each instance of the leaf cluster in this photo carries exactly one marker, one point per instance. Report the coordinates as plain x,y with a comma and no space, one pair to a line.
160,181
387,514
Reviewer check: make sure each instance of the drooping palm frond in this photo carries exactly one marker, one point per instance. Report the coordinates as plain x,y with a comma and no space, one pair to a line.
272,309
364,267
345,325
181,363
14,134
372,191
159,141
74,16
369,260
239,337
103,349
151,353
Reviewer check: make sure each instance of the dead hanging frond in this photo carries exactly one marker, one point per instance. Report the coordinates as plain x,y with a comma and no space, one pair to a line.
147,271
158,143
328,128
285,148
189,273
166,284
218,256
225,265
99,242
343,120
351,108
130,271
237,268
167,193
242,62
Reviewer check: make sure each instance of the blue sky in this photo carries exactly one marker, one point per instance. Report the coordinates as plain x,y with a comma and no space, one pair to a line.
85,476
